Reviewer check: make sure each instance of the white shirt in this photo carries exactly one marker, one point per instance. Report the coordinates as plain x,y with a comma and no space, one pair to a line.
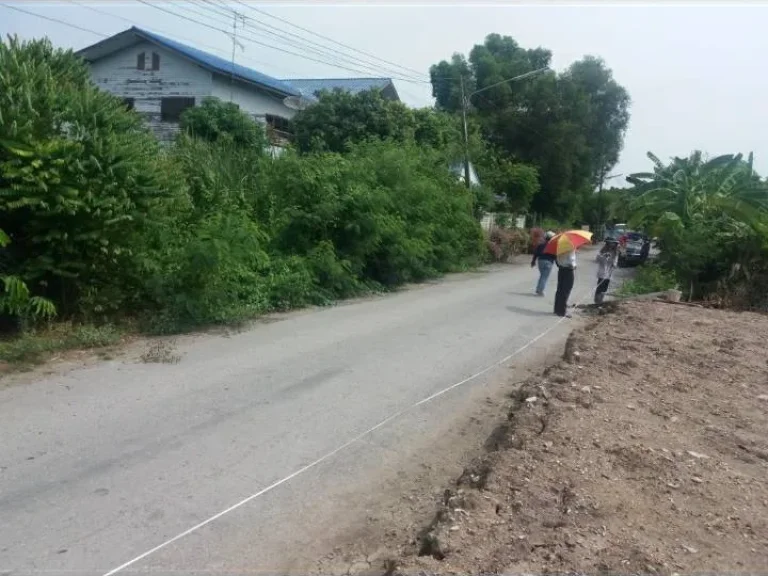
606,262
567,259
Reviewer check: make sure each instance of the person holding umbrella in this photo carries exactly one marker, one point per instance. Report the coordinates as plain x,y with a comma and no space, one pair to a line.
564,247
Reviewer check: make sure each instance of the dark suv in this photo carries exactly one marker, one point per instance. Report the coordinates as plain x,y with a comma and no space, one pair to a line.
634,248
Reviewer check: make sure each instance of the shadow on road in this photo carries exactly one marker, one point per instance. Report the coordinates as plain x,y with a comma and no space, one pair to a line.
527,312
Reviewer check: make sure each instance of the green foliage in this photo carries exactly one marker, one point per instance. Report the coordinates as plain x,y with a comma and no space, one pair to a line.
263,234
648,279
569,126
710,217
517,183
15,300
393,213
79,179
34,345
690,188
215,120
340,119
106,225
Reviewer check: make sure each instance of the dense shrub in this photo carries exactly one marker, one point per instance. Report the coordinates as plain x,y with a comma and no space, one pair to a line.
711,217
263,234
505,243
215,120
648,279
80,179
105,223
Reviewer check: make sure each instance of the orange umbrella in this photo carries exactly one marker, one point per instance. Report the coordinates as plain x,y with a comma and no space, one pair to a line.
567,242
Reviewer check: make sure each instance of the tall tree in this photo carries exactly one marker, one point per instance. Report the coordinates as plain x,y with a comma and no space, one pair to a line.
569,126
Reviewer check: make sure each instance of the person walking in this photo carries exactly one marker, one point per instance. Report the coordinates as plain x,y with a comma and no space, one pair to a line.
566,274
606,263
545,262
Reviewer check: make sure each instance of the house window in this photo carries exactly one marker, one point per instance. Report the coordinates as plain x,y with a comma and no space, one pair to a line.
278,129
141,61
278,123
155,61
129,103
171,108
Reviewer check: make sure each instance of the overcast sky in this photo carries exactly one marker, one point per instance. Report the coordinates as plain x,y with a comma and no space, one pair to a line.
695,73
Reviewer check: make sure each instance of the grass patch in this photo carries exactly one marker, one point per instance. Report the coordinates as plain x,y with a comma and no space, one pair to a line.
649,278
161,352
36,345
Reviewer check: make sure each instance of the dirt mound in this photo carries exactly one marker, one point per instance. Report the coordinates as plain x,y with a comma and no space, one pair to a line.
646,450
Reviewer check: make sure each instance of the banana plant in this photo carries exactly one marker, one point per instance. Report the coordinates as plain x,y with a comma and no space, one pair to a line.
691,187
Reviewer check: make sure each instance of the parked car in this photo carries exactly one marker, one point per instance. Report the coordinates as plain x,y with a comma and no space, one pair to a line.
616,231
634,248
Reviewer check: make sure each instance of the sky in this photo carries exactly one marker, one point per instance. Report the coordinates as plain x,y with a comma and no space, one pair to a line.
695,72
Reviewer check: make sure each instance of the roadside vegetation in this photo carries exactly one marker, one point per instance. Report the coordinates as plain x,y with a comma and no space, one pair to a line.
648,279
711,220
101,227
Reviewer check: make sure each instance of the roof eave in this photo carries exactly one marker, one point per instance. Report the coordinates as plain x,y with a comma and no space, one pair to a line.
139,34
215,70
244,80
101,44
391,84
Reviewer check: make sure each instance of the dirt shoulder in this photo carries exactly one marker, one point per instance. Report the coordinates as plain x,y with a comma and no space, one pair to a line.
647,452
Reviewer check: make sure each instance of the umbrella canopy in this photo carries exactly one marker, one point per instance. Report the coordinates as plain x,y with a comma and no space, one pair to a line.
567,241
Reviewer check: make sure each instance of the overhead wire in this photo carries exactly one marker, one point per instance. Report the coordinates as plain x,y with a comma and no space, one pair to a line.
171,34
56,20
315,47
336,42
258,42
207,25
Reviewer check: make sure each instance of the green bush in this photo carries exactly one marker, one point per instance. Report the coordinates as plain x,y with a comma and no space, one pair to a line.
649,278
216,121
711,217
80,179
393,213
35,345
107,225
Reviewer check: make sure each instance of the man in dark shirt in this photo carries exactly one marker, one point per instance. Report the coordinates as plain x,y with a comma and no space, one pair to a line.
545,262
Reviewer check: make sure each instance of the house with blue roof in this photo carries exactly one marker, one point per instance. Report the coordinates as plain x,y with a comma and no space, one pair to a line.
160,78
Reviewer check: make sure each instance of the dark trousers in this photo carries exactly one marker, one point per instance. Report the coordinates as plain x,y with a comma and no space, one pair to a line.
602,288
565,277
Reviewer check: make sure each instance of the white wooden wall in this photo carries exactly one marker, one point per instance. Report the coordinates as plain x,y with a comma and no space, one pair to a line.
251,100
177,76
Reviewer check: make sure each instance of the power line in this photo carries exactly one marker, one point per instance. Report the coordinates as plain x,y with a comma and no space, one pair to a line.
56,20
251,39
321,49
327,38
160,30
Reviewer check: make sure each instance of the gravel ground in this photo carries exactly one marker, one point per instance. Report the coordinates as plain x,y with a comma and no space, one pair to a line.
645,450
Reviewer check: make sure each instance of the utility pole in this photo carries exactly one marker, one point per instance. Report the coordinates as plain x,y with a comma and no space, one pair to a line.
235,44
464,105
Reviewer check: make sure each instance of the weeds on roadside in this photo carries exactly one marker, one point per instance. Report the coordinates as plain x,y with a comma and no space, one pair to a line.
34,345
650,278
161,352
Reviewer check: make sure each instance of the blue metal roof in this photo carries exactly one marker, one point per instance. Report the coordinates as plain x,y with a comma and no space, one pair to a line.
311,86
220,65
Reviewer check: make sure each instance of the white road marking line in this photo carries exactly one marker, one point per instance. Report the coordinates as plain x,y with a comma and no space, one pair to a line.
337,450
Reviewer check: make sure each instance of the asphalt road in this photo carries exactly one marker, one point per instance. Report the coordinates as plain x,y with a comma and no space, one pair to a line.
101,465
